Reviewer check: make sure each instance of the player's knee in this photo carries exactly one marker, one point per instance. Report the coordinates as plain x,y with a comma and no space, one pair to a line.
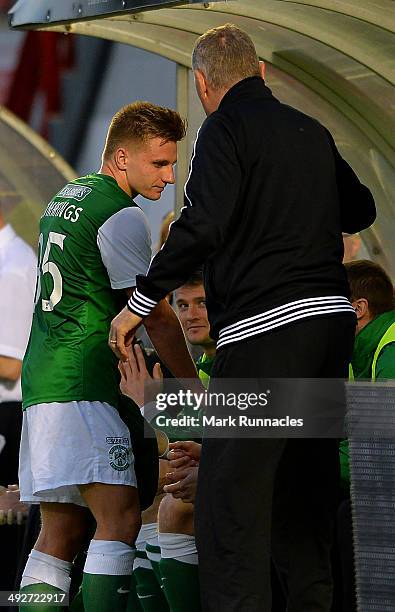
66,543
175,516
123,527
132,525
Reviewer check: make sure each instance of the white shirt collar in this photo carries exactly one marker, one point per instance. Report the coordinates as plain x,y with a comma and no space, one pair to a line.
6,235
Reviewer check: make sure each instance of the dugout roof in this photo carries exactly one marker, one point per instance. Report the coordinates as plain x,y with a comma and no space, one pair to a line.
334,59
31,171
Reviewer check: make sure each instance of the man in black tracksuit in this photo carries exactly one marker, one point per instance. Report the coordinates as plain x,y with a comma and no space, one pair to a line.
266,201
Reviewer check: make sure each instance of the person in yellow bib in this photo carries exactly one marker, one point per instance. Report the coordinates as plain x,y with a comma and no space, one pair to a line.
372,297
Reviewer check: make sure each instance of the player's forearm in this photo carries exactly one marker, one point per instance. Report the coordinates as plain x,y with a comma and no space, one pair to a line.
164,330
10,368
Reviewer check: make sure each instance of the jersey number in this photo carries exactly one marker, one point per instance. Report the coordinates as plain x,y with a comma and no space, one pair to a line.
45,266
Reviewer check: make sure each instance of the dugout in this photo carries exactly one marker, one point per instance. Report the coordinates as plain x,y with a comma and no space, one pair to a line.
31,171
332,59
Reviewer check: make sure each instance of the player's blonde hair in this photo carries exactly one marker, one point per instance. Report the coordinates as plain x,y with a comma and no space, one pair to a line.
141,121
225,55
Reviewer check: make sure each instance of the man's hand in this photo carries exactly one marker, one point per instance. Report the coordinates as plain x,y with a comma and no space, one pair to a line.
136,381
163,468
183,484
184,454
11,509
122,331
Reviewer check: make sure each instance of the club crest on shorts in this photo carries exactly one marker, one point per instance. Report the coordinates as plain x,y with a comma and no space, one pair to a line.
119,457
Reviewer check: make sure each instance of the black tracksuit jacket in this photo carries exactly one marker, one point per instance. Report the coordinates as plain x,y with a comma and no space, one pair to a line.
266,201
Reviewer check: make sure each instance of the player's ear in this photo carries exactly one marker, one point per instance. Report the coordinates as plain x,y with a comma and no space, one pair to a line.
120,158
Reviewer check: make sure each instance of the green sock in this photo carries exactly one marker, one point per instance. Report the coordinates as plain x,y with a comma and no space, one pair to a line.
153,552
133,605
133,600
37,589
148,587
181,585
77,605
103,593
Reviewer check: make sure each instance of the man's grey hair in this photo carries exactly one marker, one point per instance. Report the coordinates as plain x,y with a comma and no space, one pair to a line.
225,55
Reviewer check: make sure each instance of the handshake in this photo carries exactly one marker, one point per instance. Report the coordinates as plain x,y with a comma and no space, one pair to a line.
183,457
183,460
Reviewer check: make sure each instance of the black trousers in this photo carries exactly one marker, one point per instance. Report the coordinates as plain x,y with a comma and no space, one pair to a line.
10,430
10,535
346,555
245,483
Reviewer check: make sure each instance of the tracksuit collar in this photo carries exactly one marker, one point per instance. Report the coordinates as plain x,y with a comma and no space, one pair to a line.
248,87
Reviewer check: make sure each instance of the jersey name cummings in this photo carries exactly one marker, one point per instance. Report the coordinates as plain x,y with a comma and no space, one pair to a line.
63,209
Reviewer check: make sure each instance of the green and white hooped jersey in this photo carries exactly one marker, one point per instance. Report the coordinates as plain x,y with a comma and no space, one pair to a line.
93,240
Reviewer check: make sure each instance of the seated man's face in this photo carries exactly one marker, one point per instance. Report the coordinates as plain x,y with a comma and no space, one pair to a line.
192,312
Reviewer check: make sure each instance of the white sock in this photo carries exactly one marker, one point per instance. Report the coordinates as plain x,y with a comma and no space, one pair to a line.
110,558
41,567
146,533
178,546
152,540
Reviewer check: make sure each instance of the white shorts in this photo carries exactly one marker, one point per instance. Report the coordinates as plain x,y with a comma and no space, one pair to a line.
72,443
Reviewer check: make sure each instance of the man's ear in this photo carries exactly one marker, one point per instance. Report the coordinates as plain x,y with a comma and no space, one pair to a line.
262,69
120,158
361,307
201,83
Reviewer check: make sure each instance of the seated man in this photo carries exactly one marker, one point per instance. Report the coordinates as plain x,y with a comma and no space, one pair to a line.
178,562
176,532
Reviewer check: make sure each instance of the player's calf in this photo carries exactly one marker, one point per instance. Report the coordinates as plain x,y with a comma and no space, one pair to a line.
47,571
179,559
109,562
